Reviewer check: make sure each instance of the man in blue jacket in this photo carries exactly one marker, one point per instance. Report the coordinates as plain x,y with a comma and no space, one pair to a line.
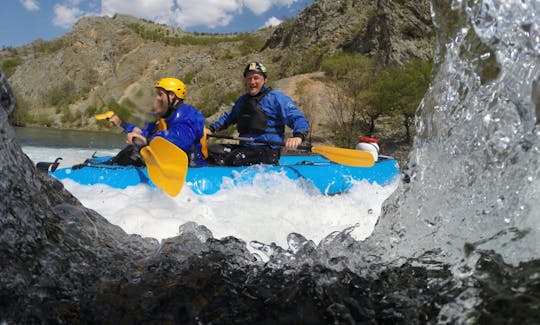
261,113
177,122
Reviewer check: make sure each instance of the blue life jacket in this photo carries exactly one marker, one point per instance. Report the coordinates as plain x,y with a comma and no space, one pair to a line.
184,127
279,110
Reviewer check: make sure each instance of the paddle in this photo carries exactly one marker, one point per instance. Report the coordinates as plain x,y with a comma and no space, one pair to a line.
344,156
166,163
104,116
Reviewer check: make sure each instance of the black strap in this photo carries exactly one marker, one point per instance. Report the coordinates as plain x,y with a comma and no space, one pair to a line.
263,93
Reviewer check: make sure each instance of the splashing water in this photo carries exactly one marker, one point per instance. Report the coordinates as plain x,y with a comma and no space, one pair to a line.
267,211
474,167
474,188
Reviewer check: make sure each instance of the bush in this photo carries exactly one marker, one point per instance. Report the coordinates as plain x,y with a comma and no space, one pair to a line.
230,97
162,35
41,120
9,66
187,78
251,44
63,94
139,94
352,110
123,112
366,92
90,111
340,65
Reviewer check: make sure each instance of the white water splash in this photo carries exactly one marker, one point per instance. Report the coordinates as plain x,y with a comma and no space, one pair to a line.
266,212
475,167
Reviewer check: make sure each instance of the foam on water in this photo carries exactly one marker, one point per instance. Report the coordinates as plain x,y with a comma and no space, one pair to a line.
70,156
267,211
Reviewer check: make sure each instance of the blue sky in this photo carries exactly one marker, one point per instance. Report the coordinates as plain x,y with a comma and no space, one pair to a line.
23,21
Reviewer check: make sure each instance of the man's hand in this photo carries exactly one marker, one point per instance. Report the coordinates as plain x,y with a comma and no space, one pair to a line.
115,121
135,138
293,143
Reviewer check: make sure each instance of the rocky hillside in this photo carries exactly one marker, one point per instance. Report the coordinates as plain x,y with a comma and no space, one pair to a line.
113,62
391,31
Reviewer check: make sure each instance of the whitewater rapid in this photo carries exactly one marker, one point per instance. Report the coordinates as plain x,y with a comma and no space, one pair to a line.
266,212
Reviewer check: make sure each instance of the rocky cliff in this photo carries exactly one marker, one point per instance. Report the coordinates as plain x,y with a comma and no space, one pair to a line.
391,31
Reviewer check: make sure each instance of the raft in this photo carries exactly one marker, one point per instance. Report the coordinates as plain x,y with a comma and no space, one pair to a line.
313,172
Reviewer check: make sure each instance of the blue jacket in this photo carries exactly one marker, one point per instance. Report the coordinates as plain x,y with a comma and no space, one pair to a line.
185,127
280,110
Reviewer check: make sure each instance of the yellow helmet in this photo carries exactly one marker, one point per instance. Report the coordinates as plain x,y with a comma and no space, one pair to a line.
174,85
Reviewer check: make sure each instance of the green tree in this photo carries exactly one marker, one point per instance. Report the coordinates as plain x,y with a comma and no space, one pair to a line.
400,90
351,110
123,112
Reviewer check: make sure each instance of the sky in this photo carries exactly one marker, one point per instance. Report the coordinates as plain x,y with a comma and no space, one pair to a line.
23,21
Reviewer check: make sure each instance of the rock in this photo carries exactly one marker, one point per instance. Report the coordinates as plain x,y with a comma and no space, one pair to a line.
54,251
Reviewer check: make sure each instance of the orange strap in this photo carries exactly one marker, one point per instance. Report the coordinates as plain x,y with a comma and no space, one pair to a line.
204,144
161,125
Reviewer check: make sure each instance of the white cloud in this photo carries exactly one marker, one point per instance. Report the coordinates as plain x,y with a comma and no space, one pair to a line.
66,15
272,21
31,5
156,10
182,13
258,6
211,13
287,3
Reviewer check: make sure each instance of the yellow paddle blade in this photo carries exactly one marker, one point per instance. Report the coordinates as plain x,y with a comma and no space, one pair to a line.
105,116
166,164
344,156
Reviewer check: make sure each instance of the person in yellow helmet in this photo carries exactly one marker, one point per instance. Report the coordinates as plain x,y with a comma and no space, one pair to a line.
177,122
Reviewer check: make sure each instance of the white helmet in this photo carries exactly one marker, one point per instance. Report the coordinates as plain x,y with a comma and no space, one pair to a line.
370,145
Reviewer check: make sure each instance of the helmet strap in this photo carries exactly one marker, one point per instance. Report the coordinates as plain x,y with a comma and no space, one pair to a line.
171,106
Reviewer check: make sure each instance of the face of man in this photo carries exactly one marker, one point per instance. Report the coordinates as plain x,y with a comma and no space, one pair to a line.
161,104
254,82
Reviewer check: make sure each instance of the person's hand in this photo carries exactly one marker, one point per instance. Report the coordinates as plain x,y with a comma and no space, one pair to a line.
207,131
115,121
136,139
137,130
293,143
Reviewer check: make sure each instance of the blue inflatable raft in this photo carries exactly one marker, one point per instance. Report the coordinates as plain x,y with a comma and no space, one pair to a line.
313,171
